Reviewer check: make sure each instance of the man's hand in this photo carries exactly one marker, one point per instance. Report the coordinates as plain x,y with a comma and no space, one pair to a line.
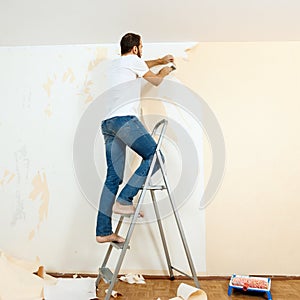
165,71
167,59
156,79
160,61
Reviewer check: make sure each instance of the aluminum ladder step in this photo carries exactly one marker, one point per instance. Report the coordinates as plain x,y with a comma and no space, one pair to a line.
155,187
119,245
106,274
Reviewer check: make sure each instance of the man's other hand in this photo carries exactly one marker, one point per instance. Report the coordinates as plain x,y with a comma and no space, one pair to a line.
167,59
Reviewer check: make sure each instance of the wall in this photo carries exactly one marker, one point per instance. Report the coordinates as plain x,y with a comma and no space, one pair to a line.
253,223
46,213
250,227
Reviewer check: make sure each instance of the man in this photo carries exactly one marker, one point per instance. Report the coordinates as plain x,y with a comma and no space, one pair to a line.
122,128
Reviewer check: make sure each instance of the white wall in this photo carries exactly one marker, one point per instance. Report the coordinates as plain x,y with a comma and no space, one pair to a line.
44,215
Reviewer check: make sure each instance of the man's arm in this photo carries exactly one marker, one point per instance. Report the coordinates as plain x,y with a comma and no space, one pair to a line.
156,79
160,61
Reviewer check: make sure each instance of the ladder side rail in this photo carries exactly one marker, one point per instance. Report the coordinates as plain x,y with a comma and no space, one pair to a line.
163,124
130,230
110,246
108,253
177,218
162,235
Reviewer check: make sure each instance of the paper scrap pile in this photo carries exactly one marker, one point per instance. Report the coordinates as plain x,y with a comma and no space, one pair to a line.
133,278
18,280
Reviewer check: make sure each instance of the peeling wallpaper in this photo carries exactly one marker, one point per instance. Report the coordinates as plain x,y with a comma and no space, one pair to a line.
45,90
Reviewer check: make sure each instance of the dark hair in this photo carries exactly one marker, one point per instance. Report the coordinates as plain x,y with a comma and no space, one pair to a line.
128,41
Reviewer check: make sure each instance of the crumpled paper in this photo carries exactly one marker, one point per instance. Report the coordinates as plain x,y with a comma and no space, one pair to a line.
114,294
17,280
133,279
187,292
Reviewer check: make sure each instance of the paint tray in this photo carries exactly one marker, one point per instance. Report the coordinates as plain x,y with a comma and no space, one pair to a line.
251,284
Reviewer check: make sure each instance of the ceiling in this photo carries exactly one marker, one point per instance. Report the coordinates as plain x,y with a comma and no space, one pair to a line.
56,22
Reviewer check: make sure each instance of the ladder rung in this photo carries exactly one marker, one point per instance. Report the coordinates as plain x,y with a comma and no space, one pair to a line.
119,245
155,187
183,273
106,274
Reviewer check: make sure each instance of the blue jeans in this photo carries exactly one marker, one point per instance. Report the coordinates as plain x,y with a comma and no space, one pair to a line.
118,133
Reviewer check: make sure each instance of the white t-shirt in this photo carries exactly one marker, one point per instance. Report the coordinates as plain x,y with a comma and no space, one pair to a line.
125,88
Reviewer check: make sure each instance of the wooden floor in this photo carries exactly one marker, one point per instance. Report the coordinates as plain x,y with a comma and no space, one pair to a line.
286,289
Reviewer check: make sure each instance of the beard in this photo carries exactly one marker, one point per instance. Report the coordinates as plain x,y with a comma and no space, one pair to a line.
139,53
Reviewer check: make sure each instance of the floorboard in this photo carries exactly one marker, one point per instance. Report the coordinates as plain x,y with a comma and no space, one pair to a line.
215,290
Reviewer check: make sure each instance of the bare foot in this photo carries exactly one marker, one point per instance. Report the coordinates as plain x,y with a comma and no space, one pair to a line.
110,238
121,209
118,208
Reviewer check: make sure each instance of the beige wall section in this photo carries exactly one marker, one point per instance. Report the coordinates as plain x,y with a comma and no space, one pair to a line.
253,223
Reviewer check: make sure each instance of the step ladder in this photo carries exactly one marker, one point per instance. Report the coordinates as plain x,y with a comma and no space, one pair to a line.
111,277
